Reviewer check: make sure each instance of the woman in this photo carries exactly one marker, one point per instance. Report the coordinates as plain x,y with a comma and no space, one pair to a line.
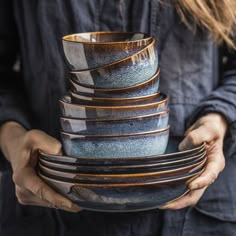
202,101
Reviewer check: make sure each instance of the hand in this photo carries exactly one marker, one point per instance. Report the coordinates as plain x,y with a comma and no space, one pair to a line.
210,129
20,147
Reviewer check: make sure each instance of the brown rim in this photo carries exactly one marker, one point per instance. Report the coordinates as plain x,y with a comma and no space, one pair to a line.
186,152
162,113
99,99
59,167
65,38
115,135
192,168
125,185
151,45
154,77
166,99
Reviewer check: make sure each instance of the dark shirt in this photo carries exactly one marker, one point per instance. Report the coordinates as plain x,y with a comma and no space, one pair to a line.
192,74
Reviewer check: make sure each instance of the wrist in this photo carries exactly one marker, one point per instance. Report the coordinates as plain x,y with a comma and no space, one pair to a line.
10,132
219,120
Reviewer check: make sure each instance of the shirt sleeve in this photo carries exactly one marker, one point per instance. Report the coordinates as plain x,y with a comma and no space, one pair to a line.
223,99
13,105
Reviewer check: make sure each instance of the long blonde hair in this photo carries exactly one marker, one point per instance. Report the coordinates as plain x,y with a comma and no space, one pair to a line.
217,16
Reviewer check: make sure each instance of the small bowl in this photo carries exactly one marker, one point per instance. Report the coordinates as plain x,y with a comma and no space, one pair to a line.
94,101
70,171
70,110
123,197
136,124
144,89
90,50
172,154
125,145
132,70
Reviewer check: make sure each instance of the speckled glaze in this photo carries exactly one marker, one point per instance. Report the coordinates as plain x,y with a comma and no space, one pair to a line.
85,111
132,145
132,70
145,89
172,154
123,197
97,173
90,50
94,101
116,126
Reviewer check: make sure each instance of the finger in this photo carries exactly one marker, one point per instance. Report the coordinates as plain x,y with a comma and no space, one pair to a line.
190,199
196,137
39,188
210,174
25,197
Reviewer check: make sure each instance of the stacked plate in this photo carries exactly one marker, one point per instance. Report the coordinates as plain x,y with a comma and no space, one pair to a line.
115,128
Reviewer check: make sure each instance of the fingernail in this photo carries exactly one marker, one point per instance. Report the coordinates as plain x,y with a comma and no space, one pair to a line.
194,186
76,208
66,205
166,207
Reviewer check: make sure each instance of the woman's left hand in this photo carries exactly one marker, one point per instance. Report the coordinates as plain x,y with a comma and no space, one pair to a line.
210,129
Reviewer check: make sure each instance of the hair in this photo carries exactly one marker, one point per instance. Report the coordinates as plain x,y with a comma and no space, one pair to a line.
217,16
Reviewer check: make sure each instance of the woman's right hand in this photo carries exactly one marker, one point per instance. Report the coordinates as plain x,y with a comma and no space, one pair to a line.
20,147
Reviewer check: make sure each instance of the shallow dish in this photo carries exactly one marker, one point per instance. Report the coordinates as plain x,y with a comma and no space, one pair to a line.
95,101
144,89
132,70
121,146
84,111
121,168
172,154
123,197
95,49
116,126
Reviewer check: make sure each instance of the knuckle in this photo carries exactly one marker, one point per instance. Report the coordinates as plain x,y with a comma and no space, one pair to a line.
193,138
31,136
39,191
15,178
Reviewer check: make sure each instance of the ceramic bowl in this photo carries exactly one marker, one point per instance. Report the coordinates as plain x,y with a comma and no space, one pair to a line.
172,154
144,89
71,110
116,126
132,70
71,171
123,197
90,50
112,146
95,101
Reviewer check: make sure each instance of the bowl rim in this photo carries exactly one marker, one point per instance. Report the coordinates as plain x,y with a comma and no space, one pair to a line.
146,48
65,37
190,168
74,136
136,86
167,155
59,167
158,114
100,99
153,104
169,180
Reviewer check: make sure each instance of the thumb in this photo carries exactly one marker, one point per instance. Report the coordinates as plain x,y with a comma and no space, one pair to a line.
40,140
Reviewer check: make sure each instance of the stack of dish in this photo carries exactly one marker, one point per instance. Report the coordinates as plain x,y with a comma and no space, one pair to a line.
115,128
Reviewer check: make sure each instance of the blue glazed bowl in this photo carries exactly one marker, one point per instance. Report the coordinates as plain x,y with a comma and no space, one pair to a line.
145,89
85,111
123,197
95,49
120,174
94,101
121,146
132,70
116,126
171,154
